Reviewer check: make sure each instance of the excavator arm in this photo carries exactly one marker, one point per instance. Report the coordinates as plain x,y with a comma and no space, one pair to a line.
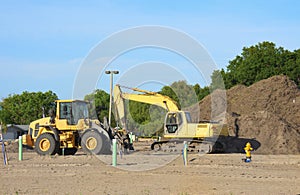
144,96
119,106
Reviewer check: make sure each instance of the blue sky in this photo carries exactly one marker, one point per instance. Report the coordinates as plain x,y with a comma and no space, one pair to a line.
43,43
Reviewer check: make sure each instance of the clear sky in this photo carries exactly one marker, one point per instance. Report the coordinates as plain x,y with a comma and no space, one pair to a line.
43,43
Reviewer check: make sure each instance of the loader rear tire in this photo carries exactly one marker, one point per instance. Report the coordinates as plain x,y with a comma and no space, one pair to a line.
45,144
92,142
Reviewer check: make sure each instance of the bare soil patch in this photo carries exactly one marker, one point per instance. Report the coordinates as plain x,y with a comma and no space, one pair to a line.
268,111
206,174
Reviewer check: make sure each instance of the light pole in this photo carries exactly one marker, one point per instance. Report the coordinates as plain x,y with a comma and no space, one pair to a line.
111,72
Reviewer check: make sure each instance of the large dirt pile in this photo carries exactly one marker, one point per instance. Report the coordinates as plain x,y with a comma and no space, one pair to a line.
268,111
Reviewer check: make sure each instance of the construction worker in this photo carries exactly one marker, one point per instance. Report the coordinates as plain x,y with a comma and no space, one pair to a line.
248,150
130,141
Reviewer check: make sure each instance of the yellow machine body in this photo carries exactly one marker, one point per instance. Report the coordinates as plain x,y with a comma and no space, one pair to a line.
177,123
68,127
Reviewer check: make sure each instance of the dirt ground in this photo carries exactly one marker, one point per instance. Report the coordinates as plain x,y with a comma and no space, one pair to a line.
147,172
268,111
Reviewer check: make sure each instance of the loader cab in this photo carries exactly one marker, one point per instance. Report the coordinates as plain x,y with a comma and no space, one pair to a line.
72,111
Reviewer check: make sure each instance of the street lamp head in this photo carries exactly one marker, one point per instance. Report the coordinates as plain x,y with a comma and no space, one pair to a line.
111,72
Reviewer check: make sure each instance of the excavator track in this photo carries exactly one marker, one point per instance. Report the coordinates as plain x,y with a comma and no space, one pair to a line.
194,146
168,146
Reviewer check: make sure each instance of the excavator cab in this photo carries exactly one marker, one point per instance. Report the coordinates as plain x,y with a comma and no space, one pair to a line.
173,120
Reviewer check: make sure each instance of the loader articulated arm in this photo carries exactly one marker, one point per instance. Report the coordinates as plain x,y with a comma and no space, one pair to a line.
144,96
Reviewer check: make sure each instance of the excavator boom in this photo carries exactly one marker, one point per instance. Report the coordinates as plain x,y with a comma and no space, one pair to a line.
144,96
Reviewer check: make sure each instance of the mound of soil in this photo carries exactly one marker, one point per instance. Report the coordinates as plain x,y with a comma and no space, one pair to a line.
268,111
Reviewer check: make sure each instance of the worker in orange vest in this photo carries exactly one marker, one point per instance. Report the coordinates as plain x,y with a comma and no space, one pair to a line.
248,150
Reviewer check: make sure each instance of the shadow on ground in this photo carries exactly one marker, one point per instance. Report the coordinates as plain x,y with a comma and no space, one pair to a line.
236,144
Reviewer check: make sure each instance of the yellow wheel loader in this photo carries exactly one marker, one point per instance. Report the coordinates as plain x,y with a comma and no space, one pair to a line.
206,136
68,128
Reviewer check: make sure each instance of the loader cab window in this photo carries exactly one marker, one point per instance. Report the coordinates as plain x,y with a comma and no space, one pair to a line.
36,130
30,131
80,110
65,112
73,111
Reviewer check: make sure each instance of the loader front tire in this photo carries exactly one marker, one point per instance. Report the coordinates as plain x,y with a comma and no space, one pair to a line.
91,142
45,144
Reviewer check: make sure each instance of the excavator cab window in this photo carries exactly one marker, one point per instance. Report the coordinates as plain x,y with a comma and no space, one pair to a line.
172,118
188,117
172,122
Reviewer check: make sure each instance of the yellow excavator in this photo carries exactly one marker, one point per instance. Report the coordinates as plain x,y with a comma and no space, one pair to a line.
178,127
68,128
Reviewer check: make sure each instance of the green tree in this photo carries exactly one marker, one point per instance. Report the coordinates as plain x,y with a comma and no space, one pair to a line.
26,107
292,66
99,105
262,61
168,91
185,95
201,92
139,112
217,81
197,89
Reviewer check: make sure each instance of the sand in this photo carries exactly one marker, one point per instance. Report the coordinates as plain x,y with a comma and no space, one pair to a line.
144,172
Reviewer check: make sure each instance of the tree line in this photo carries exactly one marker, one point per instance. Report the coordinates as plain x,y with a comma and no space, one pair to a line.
26,107
259,62
255,63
